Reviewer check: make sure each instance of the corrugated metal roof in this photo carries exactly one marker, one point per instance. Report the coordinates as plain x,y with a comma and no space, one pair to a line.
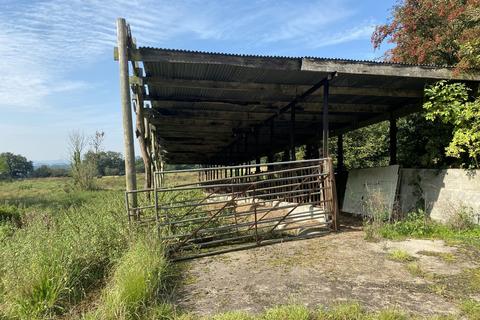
215,111
379,62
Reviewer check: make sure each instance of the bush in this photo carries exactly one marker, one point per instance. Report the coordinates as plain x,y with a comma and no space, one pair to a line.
461,219
10,214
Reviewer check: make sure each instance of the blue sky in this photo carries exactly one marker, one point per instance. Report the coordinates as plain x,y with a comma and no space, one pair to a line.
56,56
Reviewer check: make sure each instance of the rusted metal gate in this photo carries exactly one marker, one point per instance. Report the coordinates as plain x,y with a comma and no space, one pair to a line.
211,210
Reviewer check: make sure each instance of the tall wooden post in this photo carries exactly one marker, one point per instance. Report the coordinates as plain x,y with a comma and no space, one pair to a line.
130,175
393,140
325,119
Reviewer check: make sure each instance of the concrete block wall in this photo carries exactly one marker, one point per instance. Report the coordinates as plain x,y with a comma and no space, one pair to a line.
441,192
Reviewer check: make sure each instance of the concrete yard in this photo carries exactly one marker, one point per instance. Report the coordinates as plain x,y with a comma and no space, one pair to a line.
341,267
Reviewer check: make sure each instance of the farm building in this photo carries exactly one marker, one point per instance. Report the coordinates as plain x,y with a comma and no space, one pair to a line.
226,112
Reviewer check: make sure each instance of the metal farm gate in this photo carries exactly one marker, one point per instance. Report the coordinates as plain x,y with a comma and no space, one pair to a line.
204,211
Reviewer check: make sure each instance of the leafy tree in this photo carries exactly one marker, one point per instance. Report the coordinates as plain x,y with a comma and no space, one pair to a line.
452,104
433,32
421,143
364,147
107,162
42,172
3,168
443,32
139,165
15,166
45,171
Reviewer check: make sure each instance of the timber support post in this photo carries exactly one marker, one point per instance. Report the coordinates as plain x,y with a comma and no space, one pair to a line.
130,175
326,86
393,140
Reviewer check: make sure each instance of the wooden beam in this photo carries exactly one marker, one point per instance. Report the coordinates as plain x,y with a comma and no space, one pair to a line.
167,114
130,173
188,57
275,89
325,119
275,100
384,69
297,64
267,108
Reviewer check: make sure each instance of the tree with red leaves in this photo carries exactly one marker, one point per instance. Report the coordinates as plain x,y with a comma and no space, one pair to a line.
442,32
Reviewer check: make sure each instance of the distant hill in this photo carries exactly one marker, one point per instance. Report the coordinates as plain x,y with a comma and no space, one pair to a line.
52,163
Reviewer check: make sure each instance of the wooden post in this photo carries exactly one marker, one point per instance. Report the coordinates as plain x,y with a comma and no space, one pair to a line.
325,119
130,175
340,159
393,140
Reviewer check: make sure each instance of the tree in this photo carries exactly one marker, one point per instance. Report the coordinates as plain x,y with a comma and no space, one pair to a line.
139,165
3,168
15,166
452,104
45,171
442,32
83,170
433,32
107,162
365,147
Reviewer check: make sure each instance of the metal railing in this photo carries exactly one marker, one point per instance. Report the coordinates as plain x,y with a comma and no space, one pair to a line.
199,210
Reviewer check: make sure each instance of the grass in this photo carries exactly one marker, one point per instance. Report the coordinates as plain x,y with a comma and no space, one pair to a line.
471,309
417,225
445,256
139,279
401,256
62,249
71,254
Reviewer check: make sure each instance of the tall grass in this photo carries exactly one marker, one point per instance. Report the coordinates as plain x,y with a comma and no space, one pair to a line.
139,279
54,260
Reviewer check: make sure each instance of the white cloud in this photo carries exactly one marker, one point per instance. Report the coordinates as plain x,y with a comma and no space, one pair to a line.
42,42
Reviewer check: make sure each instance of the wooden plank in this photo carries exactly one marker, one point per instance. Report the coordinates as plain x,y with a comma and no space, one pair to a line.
179,56
271,100
268,108
384,69
274,89
163,113
174,121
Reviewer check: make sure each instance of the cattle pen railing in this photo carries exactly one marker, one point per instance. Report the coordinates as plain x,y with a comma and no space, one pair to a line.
211,210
